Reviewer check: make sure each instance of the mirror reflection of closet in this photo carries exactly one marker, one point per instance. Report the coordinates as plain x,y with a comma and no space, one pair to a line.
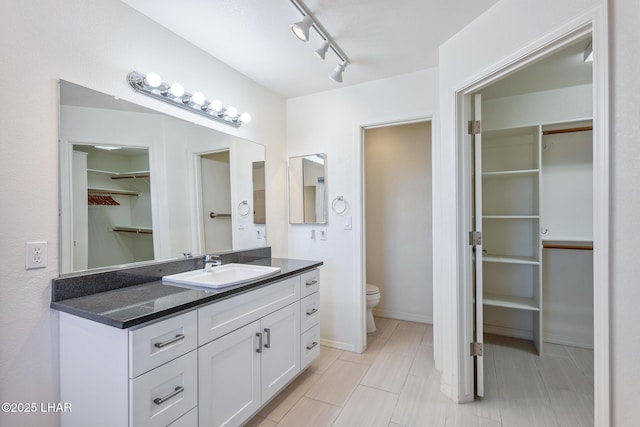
111,206
259,199
307,190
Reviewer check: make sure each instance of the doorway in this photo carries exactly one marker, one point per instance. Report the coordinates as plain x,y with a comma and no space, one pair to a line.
397,219
531,171
215,193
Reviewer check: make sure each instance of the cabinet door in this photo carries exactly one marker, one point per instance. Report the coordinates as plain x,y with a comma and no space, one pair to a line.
230,377
281,349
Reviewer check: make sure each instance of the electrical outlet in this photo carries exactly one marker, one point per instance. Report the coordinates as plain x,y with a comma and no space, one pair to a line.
36,255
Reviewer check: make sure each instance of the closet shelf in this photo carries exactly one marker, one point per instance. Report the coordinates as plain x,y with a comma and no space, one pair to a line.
123,175
521,172
520,303
133,230
509,259
510,216
112,192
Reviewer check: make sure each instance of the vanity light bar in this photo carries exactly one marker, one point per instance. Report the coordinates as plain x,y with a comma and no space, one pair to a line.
174,94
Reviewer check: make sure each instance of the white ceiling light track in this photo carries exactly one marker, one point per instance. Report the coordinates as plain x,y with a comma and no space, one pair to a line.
174,94
301,31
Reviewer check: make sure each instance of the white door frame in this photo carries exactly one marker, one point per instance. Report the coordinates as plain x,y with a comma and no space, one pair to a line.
593,22
359,211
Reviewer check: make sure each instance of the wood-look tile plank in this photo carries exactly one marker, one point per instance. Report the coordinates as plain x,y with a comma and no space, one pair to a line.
423,364
519,380
562,373
283,402
388,372
327,356
530,412
367,407
338,382
583,358
405,339
459,419
421,404
258,421
310,413
572,408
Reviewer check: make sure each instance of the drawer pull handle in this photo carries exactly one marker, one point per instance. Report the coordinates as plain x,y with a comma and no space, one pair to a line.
259,349
314,311
161,400
268,343
310,347
177,338
311,283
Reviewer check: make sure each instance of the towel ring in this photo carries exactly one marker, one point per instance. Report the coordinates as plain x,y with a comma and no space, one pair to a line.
339,205
243,208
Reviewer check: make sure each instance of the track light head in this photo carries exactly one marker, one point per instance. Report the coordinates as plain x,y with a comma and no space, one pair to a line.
336,75
301,29
322,50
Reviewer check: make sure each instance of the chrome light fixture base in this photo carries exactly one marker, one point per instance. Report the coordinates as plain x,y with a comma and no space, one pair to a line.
209,109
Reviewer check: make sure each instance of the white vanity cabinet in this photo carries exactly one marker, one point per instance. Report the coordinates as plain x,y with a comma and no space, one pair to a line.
242,370
216,365
105,371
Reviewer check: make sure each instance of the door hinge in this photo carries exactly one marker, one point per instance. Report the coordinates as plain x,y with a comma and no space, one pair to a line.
475,238
476,349
474,127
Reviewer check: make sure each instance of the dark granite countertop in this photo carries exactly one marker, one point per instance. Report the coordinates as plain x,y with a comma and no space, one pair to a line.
135,304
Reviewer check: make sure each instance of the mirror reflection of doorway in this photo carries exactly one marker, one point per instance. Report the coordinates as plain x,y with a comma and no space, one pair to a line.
216,201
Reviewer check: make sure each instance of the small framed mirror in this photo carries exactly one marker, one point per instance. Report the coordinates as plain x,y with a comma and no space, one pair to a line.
308,189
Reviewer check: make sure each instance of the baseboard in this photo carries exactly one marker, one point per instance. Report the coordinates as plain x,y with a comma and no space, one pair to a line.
508,332
585,341
399,315
337,344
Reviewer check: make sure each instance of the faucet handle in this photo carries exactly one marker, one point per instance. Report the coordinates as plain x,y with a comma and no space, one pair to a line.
213,259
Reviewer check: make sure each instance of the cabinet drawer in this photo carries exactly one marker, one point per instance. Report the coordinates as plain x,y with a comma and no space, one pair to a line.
158,343
190,419
309,311
309,346
220,318
166,393
310,282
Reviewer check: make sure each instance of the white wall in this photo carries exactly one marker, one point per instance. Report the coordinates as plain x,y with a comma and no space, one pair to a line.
329,122
398,220
94,43
499,37
625,205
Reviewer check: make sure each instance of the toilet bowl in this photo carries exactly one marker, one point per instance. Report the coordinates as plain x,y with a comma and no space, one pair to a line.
373,298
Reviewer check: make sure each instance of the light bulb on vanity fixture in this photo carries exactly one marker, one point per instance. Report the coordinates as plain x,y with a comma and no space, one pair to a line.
175,94
301,31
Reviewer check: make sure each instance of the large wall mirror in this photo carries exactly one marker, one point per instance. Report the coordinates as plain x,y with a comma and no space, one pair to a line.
307,189
139,185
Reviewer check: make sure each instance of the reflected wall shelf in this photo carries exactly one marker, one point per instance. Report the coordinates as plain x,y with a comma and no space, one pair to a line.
509,173
133,230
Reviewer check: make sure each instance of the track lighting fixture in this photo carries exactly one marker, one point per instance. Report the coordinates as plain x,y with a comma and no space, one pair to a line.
336,75
322,50
301,31
175,94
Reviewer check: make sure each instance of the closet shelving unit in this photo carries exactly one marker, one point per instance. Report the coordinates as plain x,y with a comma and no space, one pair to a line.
134,175
512,249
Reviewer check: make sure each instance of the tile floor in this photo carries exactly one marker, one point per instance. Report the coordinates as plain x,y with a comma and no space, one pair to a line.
395,384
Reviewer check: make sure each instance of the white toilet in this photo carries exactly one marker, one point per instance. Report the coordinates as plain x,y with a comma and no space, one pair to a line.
373,298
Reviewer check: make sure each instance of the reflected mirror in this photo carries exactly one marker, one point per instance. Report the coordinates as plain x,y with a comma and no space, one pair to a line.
307,189
139,185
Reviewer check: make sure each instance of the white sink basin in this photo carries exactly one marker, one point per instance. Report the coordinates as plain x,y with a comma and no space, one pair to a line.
222,276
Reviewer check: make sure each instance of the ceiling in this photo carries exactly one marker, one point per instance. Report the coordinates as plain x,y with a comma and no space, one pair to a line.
382,38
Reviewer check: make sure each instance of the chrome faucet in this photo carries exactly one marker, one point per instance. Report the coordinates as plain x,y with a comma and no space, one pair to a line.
211,261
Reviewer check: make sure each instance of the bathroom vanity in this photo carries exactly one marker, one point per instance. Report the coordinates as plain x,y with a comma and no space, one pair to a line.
159,354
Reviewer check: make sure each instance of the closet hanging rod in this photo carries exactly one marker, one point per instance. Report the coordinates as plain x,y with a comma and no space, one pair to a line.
131,176
559,246
568,130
